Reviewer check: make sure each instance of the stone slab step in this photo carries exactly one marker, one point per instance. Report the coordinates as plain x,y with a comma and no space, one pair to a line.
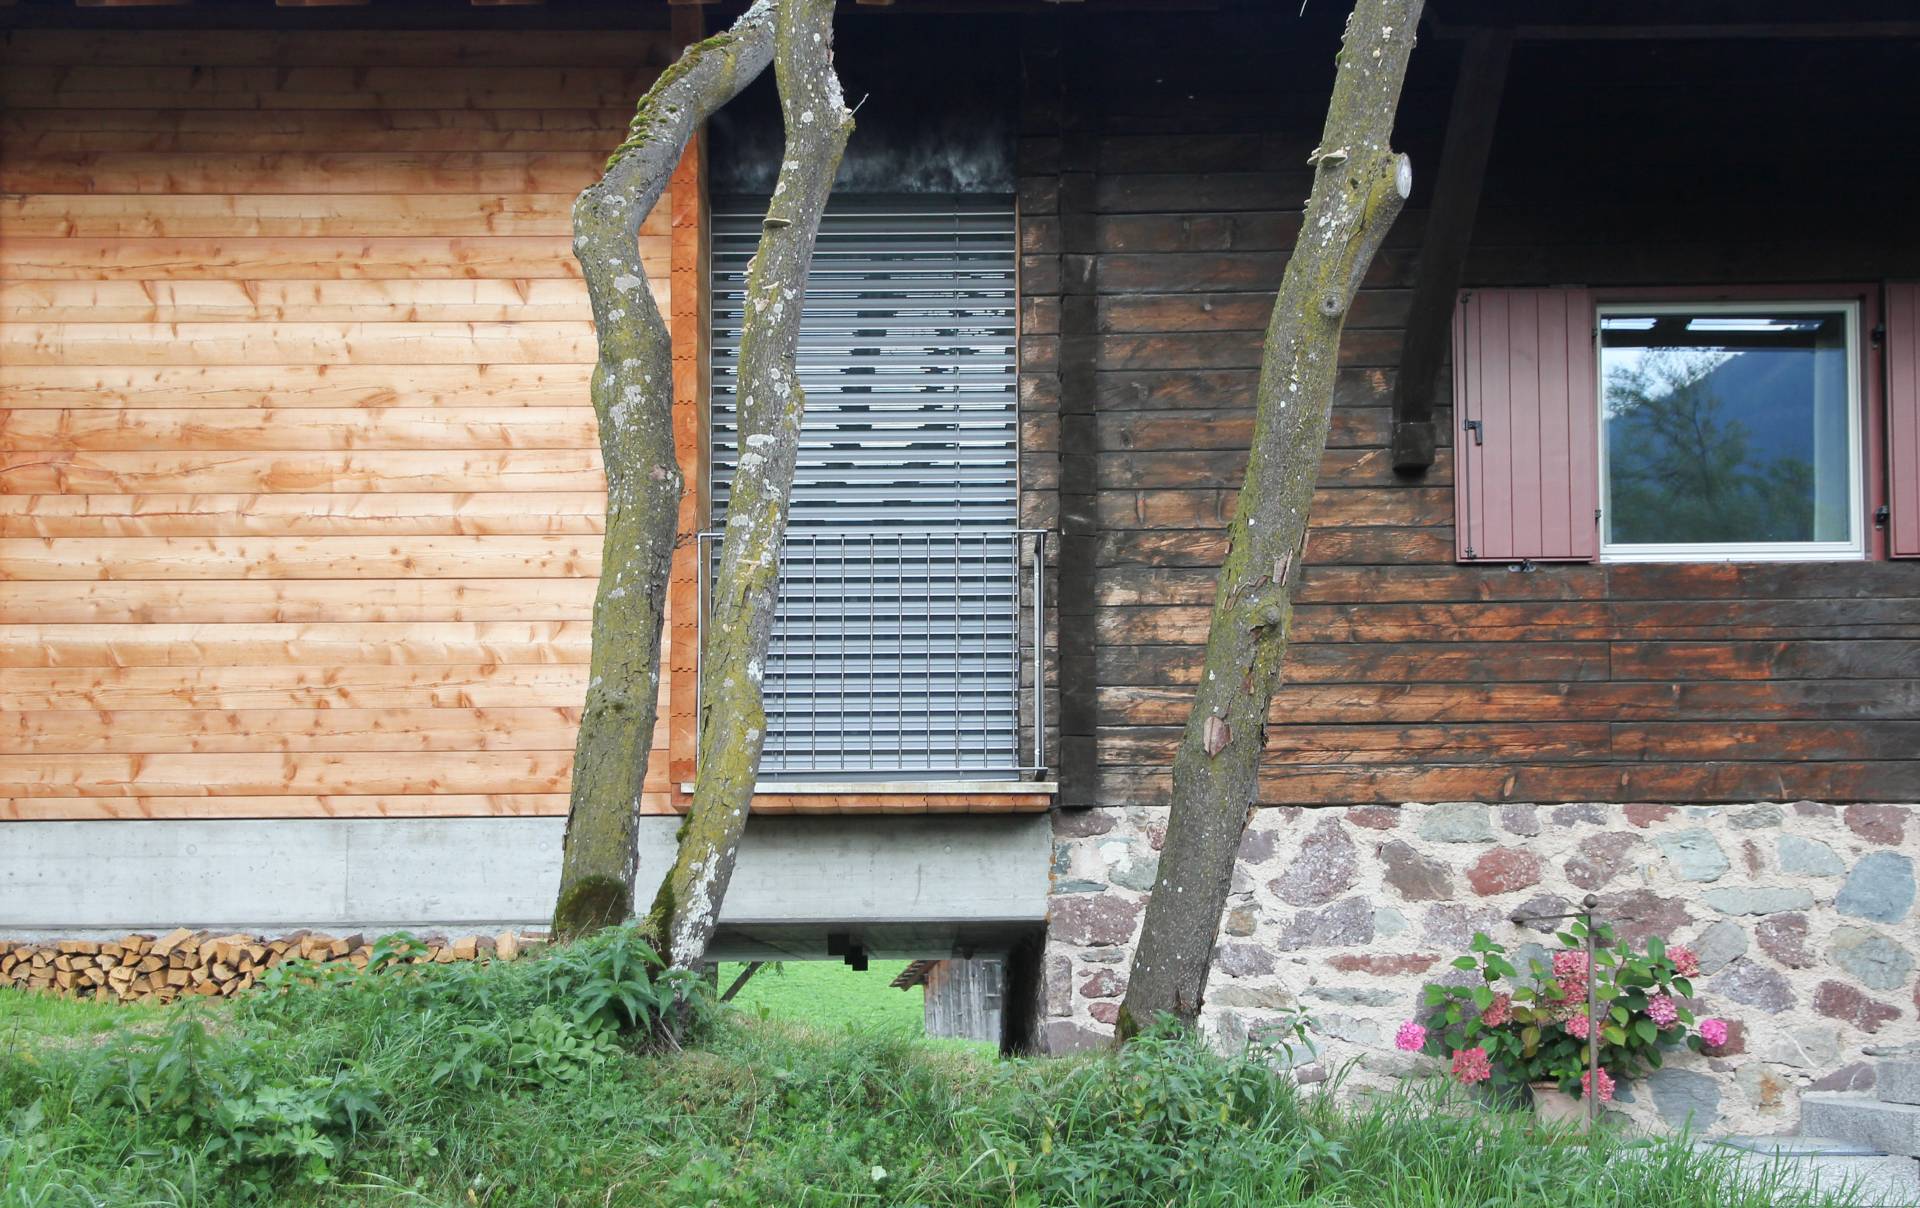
1864,1176
1863,1119
1897,1082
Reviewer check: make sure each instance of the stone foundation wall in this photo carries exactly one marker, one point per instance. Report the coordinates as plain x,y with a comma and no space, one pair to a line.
1803,916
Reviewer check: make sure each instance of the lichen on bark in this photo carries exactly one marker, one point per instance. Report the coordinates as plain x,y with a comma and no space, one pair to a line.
1359,185
632,392
739,625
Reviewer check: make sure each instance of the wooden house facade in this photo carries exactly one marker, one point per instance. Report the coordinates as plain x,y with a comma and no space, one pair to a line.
301,500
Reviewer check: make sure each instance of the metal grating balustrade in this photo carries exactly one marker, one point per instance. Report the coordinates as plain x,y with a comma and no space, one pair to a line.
901,636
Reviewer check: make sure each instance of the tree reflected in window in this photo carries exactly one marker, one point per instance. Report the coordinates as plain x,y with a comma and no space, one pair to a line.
1726,428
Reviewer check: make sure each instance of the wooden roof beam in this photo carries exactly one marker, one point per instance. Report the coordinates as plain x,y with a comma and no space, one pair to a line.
1455,199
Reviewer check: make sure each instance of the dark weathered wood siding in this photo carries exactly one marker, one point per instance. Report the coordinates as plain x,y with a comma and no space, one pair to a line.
1162,181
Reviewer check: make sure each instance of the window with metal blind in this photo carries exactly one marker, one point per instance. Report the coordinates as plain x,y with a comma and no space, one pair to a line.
897,643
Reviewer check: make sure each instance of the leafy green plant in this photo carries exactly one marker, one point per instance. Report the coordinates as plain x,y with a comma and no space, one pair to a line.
1505,1030
210,1097
616,979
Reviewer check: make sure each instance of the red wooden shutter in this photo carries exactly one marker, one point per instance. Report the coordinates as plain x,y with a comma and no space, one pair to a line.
1525,398
1903,419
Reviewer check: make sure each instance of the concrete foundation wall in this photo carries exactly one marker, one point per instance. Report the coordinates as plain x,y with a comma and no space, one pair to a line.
918,882
1803,917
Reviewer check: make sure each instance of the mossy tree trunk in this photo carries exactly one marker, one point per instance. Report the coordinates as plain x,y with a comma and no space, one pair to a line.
633,400
739,625
1359,186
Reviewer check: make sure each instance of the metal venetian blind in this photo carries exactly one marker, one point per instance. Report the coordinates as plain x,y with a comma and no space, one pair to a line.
896,646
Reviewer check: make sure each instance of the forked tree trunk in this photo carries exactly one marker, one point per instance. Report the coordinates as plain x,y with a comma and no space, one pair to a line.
633,400
1359,186
740,622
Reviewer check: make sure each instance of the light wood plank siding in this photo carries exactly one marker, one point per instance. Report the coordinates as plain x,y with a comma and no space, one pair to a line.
300,494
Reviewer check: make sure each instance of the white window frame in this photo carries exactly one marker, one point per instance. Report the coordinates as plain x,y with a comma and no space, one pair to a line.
1854,549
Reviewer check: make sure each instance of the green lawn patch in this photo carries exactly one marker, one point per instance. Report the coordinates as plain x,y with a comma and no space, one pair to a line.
828,994
31,1023
509,1084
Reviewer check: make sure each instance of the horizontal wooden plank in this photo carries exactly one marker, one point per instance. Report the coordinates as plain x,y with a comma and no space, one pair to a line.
1129,585
1311,784
1374,662
1749,740
1213,272
1757,580
1453,743
1489,622
315,772
474,94
1766,660
1594,620
1193,351
296,601
1329,546
270,687
1213,390
1467,742
295,386
1402,506
311,644
1225,469
62,558
1246,312
1412,703
182,731
237,258
316,472
1182,192
550,299
82,85
377,172
285,805
622,47
374,514
295,215
50,131
191,344
231,429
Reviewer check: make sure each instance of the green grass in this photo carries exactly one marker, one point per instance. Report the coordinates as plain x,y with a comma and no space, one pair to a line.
36,1022
828,994
395,1088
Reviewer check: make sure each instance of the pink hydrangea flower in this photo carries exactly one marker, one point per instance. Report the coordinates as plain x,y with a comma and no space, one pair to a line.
1576,1026
1603,1078
1499,1011
1411,1037
1471,1065
1714,1032
1685,962
1662,1010
1570,970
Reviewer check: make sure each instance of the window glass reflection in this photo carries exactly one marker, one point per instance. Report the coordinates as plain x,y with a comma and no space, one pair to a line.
1725,427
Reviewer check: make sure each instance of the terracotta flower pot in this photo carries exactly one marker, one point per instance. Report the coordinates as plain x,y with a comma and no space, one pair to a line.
1551,1105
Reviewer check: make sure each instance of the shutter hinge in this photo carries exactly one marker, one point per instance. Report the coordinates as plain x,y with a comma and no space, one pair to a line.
1881,515
1476,427
1596,517
1879,334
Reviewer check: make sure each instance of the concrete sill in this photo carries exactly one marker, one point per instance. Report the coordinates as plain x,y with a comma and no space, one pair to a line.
877,788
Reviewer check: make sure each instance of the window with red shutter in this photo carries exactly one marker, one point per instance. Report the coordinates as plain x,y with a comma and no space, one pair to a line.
1526,407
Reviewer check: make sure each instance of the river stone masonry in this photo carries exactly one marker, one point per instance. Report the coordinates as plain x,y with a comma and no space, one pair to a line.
1804,916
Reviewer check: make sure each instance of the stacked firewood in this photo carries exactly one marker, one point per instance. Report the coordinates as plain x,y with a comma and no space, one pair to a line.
184,962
